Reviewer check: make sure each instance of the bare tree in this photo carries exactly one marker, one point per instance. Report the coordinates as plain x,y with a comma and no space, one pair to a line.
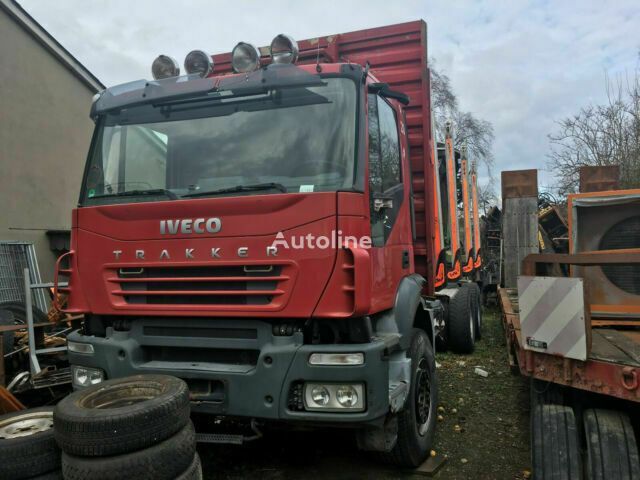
467,128
598,135
487,196
442,97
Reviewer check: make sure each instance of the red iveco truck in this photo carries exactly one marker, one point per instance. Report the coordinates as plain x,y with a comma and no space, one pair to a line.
269,228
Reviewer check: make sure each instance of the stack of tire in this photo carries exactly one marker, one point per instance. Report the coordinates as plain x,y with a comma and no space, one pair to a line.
135,428
28,449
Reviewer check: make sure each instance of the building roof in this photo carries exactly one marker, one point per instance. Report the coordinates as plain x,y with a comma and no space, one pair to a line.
33,28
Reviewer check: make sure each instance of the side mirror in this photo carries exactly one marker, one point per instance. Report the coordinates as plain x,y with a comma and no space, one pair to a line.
383,90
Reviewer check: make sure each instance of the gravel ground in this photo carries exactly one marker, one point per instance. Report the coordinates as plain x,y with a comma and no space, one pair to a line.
483,432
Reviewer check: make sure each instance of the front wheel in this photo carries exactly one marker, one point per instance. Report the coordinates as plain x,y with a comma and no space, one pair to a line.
417,420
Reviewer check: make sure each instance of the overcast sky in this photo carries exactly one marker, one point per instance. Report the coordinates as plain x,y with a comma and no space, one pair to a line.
521,65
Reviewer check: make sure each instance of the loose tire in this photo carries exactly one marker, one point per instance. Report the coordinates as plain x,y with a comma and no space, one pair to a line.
122,415
27,444
194,471
612,451
163,461
461,322
417,420
555,453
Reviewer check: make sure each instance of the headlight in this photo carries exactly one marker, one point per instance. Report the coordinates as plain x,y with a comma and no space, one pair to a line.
320,395
80,347
336,359
85,376
198,62
334,397
284,49
164,67
245,58
347,396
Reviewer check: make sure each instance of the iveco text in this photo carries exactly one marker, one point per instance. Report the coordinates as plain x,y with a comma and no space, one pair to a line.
190,225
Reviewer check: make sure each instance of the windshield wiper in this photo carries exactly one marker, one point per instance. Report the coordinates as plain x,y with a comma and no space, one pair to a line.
240,188
135,193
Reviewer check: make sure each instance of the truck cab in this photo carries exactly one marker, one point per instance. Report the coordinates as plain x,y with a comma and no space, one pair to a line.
262,228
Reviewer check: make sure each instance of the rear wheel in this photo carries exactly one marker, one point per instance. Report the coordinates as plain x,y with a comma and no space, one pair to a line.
476,306
461,324
555,453
417,420
612,451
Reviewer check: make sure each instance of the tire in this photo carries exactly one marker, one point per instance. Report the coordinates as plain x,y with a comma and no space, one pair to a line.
612,451
194,471
165,460
416,428
461,322
122,415
476,308
33,453
555,453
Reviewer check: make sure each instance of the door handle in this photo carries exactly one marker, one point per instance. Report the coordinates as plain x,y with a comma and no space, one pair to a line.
382,203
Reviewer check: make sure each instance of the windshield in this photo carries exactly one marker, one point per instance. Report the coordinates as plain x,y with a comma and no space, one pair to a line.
284,139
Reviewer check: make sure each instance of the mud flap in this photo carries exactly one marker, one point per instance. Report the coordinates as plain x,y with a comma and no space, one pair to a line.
379,439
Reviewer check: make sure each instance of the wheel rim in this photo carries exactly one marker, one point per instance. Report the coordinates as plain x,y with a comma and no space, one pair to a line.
423,396
25,425
120,396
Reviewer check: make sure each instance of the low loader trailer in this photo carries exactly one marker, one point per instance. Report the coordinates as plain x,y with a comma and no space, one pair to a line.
279,228
577,336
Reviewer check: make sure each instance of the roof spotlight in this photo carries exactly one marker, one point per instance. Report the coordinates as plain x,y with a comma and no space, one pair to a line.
198,62
164,67
245,58
284,49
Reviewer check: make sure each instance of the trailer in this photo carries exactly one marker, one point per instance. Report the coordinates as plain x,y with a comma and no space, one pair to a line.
572,325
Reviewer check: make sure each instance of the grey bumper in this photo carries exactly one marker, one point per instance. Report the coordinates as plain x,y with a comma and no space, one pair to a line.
252,369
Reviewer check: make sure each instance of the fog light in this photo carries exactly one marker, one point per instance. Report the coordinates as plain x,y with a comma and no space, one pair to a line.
347,396
332,397
245,58
320,395
85,376
336,358
80,347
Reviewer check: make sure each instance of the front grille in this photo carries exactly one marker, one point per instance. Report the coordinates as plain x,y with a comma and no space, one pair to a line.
201,332
624,234
194,356
200,285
